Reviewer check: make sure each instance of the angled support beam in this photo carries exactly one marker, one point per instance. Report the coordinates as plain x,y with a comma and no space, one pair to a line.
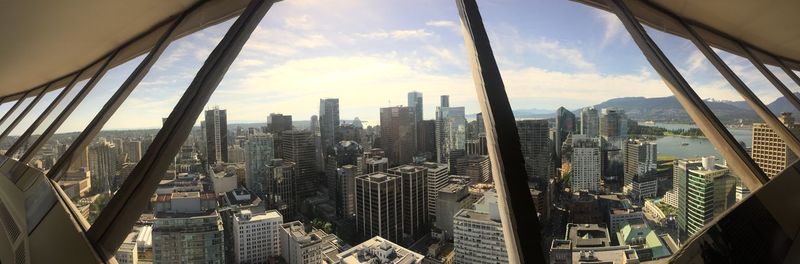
15,106
738,159
771,76
25,111
521,228
123,210
756,104
788,71
113,104
24,137
42,139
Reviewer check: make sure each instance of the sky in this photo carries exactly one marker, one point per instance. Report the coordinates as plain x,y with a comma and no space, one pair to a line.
370,54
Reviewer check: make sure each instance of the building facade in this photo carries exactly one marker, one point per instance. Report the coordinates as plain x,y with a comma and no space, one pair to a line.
216,134
478,233
256,237
398,132
768,149
379,206
537,148
586,167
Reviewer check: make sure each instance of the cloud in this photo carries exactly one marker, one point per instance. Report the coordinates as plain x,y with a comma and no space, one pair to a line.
397,34
299,22
553,50
442,23
614,30
696,62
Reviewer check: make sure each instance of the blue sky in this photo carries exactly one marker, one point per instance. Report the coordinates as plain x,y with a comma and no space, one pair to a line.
371,53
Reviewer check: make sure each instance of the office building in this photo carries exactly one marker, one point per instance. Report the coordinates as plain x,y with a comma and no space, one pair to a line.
104,165
397,134
298,147
589,243
639,236
537,148
216,134
414,196
565,124
768,149
436,178
706,191
379,206
613,123
342,153
328,123
451,129
194,237
256,237
276,124
128,252
346,199
132,150
298,246
585,172
590,122
281,179
379,250
426,139
641,159
259,152
450,199
478,233
415,102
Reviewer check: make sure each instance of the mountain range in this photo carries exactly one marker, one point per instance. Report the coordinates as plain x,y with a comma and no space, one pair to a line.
667,109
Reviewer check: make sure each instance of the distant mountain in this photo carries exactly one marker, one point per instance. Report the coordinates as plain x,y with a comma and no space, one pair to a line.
782,105
668,109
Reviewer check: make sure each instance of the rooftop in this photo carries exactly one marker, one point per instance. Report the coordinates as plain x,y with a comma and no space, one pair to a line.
379,250
588,235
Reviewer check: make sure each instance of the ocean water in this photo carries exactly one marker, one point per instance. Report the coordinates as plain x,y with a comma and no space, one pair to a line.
697,147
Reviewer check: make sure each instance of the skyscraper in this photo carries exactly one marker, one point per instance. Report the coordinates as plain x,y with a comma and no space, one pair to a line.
537,149
478,233
379,206
132,150
298,147
256,237
415,204
328,123
345,202
415,102
565,124
585,163
281,176
397,134
277,123
451,129
216,134
640,160
707,191
436,178
613,123
426,140
258,153
590,122
103,164
769,150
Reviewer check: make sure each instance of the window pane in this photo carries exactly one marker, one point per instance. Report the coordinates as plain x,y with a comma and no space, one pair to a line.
15,114
32,115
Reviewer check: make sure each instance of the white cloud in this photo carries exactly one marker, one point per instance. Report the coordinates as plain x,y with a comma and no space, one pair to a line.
696,62
614,30
299,22
442,23
397,34
553,50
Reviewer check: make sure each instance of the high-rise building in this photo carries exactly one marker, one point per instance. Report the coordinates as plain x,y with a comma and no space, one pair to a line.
451,130
477,167
319,153
103,164
185,238
537,148
132,150
259,152
613,123
449,200
640,161
277,123
590,122
768,149
299,246
216,134
585,163
328,123
437,176
255,236
281,181
342,153
426,139
415,202
128,252
565,124
379,206
397,134
707,190
478,233
415,102
298,147
345,201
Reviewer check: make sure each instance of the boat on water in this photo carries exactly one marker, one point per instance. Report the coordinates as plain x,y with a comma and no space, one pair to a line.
685,144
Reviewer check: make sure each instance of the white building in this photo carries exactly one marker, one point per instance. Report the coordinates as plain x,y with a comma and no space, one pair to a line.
644,187
478,233
437,177
299,247
128,252
256,236
379,250
586,166
618,217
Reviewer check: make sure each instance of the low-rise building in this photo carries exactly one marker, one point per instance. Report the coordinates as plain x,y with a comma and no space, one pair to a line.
379,250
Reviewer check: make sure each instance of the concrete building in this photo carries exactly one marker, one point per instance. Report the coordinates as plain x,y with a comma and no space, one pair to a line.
450,200
379,206
415,199
584,208
216,135
478,233
281,177
398,132
537,148
346,202
477,167
589,243
586,167
188,238
276,124
132,150
640,160
768,149
436,178
379,250
648,245
256,237
299,247
128,252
